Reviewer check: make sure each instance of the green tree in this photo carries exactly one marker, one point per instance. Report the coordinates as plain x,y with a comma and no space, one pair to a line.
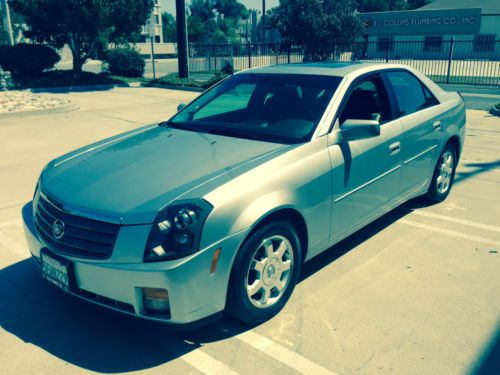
214,20
381,5
169,27
414,4
316,24
84,25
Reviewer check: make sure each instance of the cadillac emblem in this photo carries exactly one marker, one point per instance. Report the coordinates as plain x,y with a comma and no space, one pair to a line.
58,229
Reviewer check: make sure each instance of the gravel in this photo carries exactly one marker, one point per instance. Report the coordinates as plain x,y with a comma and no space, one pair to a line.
20,101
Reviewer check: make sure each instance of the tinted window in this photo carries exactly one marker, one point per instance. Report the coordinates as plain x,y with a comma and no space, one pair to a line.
281,108
367,101
431,100
409,93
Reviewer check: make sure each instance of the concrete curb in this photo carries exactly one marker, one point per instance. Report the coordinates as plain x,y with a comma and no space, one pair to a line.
46,111
170,87
62,89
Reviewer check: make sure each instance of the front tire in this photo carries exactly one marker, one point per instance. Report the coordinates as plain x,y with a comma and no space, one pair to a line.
444,174
264,273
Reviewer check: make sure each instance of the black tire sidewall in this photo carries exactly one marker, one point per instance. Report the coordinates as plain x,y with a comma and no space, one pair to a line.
238,304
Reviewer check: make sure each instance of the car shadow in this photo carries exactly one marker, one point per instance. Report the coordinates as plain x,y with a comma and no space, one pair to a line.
97,339
489,361
477,168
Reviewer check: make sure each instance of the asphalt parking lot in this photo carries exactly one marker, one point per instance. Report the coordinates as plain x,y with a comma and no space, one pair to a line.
416,292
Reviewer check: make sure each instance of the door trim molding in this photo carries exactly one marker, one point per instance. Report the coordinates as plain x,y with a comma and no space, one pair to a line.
367,183
419,154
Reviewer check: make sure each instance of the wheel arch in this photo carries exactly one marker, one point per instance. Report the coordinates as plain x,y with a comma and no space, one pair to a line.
290,215
455,142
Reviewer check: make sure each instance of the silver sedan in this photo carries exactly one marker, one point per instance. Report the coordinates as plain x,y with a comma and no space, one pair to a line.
216,209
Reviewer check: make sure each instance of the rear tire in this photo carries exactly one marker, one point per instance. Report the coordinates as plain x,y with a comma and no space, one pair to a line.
443,176
264,273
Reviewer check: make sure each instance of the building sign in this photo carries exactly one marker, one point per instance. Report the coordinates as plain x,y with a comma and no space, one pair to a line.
422,22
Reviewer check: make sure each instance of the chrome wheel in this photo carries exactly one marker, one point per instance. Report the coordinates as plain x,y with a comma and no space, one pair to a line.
270,271
443,180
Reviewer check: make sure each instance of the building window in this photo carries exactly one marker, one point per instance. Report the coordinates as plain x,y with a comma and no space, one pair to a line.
433,43
384,43
484,43
157,39
157,19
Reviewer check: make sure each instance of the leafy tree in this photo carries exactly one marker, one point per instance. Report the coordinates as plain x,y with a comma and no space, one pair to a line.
85,25
381,5
214,20
169,27
414,4
201,20
316,24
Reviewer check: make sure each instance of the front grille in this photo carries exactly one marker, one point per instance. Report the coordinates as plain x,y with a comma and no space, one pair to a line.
84,238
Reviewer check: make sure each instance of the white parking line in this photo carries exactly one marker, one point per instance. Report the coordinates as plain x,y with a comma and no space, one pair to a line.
206,364
449,232
282,354
492,228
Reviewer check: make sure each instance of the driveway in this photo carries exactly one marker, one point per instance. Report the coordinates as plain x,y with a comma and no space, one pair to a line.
416,292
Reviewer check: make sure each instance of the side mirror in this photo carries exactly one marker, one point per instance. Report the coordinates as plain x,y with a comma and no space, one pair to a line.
180,106
352,130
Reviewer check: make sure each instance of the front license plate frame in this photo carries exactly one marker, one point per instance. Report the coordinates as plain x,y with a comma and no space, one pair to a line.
57,271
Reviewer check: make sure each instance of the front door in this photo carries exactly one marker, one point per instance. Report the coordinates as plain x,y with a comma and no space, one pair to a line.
366,172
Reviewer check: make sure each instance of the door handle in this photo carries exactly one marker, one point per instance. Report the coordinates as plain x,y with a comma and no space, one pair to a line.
394,148
436,125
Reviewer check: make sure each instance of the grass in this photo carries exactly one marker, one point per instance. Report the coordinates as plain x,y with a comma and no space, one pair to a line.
174,80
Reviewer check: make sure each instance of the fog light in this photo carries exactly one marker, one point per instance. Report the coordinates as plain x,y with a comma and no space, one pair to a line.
155,300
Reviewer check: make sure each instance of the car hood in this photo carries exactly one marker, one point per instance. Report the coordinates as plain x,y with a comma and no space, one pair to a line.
128,178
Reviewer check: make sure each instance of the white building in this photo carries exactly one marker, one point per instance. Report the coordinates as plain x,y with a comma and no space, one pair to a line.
469,29
153,26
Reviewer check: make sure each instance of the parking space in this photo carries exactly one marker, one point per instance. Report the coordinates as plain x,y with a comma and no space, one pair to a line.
415,292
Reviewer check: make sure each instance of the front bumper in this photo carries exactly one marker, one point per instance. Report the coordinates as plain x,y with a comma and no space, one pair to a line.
116,283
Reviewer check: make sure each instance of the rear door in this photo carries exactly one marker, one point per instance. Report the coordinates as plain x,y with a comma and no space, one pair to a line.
419,113
365,172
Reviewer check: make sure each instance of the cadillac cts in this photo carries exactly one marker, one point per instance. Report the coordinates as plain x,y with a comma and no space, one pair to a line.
216,209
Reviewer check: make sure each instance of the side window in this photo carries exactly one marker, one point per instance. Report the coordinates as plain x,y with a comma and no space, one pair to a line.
232,100
367,101
408,91
431,100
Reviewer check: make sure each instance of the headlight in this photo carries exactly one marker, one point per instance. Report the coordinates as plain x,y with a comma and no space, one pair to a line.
177,230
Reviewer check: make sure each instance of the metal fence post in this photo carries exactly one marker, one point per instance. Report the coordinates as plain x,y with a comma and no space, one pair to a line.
450,59
249,52
215,59
289,51
387,50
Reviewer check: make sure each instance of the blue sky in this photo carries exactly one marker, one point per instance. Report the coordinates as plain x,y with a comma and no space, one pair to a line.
169,5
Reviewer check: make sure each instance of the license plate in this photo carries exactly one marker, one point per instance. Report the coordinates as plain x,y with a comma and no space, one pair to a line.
55,271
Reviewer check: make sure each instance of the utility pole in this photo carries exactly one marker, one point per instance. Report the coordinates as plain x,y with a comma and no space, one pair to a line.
182,39
263,21
6,22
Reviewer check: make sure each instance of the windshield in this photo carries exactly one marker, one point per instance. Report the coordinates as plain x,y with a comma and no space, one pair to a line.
282,108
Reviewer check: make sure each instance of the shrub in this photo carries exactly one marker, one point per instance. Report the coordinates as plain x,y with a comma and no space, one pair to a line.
126,62
215,79
227,68
28,60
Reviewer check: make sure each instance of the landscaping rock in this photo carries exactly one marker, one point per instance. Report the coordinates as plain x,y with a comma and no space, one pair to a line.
20,101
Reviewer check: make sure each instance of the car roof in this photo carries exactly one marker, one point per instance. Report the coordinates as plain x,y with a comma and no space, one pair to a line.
338,69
